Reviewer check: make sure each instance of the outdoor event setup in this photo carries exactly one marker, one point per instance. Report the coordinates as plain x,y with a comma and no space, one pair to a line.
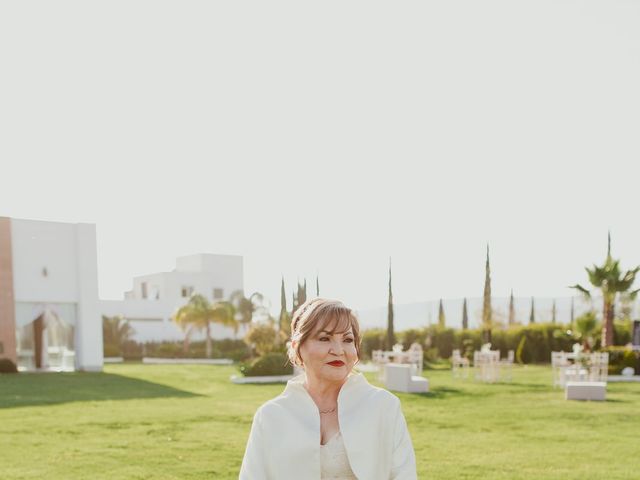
582,375
487,365
401,370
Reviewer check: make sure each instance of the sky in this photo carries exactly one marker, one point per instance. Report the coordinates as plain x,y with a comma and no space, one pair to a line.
324,139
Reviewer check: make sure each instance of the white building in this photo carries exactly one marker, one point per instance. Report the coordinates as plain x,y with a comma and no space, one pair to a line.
155,297
49,315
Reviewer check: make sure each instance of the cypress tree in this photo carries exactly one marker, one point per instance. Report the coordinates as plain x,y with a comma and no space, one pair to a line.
512,310
553,311
294,306
532,315
441,317
283,308
486,307
572,318
391,338
317,286
300,296
465,316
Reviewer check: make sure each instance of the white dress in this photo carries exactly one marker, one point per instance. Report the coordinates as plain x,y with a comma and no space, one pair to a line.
334,463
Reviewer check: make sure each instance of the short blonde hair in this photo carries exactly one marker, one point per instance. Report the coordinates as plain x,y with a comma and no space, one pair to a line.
321,314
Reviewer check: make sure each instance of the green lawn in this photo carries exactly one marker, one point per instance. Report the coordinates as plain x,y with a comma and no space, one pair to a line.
189,422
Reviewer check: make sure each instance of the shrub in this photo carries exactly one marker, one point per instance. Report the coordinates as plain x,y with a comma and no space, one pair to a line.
7,366
622,357
111,350
275,363
262,338
411,336
132,350
370,340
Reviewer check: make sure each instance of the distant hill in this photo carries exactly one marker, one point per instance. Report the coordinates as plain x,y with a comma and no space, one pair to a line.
416,315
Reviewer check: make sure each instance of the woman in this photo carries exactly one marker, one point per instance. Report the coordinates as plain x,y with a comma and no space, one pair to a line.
329,423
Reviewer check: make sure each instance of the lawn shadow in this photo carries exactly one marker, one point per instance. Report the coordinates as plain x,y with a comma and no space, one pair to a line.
443,392
25,390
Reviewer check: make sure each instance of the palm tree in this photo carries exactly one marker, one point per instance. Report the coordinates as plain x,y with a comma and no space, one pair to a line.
246,309
116,330
199,314
611,281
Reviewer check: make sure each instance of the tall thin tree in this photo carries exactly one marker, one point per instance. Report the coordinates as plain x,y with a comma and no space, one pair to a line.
553,311
441,318
512,310
300,295
293,304
465,316
572,316
284,316
486,306
391,337
532,315
317,286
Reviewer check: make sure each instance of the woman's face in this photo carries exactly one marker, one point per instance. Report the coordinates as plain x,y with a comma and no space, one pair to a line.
329,356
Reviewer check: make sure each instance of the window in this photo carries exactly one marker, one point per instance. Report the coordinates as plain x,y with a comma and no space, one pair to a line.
143,289
218,293
186,291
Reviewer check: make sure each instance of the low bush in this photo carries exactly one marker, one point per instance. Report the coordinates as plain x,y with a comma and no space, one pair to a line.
370,340
233,349
622,357
274,363
7,366
111,350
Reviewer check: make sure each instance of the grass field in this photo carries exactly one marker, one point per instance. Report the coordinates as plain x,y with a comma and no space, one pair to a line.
189,422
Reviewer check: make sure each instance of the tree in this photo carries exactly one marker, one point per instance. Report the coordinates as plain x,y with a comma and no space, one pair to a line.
391,338
486,305
465,316
317,286
512,310
553,311
300,296
283,321
116,331
199,314
572,316
611,282
586,325
261,338
246,309
532,315
441,316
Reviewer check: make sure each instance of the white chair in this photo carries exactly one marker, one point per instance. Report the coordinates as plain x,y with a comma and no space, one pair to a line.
508,364
458,362
487,365
398,377
559,362
599,367
378,358
416,356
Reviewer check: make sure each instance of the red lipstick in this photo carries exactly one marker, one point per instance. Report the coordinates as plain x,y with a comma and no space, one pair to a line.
336,363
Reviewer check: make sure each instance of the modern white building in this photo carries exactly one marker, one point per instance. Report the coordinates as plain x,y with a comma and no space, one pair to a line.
154,298
49,310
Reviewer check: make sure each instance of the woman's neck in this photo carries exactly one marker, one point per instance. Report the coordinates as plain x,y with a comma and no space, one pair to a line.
324,393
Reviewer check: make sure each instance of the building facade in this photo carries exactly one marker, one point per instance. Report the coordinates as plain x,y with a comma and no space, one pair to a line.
154,298
49,308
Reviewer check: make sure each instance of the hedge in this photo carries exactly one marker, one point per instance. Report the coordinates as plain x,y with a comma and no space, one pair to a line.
532,343
275,363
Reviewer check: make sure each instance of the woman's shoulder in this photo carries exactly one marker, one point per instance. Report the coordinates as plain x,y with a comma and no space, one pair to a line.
364,391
